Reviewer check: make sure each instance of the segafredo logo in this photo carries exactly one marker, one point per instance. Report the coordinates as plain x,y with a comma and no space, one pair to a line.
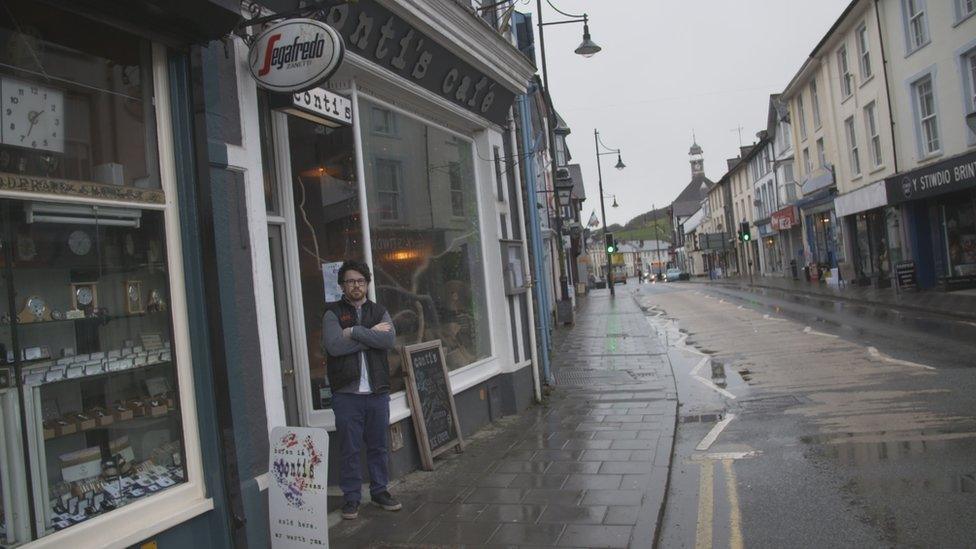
295,55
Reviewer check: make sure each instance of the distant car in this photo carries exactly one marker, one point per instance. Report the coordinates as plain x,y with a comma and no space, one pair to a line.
674,274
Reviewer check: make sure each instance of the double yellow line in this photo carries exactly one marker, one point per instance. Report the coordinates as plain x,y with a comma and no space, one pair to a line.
706,503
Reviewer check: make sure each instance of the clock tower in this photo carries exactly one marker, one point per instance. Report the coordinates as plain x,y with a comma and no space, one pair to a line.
696,159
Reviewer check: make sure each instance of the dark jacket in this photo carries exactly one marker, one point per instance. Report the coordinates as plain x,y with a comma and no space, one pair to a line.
343,366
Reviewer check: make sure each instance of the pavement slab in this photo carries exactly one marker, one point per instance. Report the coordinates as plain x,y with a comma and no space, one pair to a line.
586,468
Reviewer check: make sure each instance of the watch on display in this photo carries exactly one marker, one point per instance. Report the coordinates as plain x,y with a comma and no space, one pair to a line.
84,297
134,301
35,310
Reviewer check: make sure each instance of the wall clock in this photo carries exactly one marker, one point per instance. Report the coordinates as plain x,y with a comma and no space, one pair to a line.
79,242
32,115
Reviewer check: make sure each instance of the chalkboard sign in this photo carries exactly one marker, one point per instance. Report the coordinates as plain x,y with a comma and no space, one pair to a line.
431,401
905,274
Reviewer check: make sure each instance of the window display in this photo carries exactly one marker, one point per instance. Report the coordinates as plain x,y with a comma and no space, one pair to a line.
960,233
426,235
94,362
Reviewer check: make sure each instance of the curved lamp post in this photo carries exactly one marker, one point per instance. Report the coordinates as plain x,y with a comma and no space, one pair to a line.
587,49
603,210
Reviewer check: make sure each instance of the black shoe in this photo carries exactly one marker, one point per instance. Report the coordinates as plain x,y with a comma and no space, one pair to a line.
386,501
350,510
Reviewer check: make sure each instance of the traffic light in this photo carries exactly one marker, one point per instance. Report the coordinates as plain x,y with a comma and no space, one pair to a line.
744,234
611,244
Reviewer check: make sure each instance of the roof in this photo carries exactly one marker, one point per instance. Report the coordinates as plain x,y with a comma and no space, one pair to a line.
690,198
576,174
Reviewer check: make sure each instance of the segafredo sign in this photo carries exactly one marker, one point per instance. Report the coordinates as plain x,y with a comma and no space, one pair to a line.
295,55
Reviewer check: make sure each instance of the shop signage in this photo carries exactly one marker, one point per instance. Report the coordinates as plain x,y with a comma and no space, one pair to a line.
82,189
784,219
298,473
431,401
377,34
954,174
295,55
905,274
318,105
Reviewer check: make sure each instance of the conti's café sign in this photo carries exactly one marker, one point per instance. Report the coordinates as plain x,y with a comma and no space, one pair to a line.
954,174
377,34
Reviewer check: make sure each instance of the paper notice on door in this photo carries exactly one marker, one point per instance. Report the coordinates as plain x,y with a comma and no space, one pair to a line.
330,278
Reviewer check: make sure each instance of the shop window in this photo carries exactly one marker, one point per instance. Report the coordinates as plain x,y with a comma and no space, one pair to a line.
960,234
428,269
326,196
78,108
384,121
86,338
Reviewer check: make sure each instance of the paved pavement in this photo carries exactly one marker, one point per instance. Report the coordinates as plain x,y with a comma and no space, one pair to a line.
588,468
958,303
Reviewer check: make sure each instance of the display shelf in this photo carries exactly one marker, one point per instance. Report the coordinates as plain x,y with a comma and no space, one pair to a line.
140,422
100,375
103,318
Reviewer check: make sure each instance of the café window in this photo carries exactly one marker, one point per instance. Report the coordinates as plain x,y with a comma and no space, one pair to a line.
89,392
326,198
428,265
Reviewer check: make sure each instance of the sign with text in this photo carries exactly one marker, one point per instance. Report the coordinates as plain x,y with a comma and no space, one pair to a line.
905,274
295,55
298,472
954,174
318,105
330,281
384,38
432,406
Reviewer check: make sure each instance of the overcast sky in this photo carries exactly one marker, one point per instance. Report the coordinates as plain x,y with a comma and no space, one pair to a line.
668,68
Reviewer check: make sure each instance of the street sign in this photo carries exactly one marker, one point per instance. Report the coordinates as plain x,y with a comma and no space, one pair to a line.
295,55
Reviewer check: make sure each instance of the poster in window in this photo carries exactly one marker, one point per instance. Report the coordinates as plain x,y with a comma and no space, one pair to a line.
330,279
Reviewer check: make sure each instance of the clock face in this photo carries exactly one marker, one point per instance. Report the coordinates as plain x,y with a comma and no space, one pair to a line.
133,294
84,296
36,306
79,242
32,115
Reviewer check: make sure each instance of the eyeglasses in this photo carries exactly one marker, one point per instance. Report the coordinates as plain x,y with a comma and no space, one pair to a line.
355,282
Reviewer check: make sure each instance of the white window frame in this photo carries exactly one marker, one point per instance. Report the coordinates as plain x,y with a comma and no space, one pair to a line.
397,193
844,73
153,514
964,10
815,100
923,120
863,52
967,66
873,133
462,378
800,114
807,165
854,154
916,25
821,153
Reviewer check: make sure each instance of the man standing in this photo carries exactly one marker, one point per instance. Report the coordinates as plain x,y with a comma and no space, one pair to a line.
356,336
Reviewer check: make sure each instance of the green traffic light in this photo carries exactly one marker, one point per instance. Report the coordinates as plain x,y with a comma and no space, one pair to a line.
746,236
610,249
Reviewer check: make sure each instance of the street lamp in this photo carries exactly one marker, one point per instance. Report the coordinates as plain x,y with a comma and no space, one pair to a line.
603,210
587,49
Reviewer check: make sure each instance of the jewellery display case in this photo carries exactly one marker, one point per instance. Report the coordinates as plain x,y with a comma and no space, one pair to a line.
86,352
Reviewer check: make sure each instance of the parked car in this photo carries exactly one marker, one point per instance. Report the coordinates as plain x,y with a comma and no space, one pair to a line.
674,274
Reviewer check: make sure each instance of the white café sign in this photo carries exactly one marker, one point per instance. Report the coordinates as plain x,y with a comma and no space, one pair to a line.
297,488
295,55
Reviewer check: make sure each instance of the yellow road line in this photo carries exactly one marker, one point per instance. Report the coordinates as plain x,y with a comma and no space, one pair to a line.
735,517
703,535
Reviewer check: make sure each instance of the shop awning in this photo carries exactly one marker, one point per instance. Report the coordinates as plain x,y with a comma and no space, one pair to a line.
817,199
820,178
863,199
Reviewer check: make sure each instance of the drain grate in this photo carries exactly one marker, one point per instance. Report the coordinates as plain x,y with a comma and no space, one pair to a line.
768,404
583,377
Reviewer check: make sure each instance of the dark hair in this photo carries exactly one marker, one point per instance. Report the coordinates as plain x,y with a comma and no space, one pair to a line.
353,265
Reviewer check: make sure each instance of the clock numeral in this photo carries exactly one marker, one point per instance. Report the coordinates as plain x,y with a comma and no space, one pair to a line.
45,142
57,121
20,91
33,90
13,126
54,134
9,112
54,108
14,100
22,138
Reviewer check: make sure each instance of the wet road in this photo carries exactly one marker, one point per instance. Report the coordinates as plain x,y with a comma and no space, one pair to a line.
807,422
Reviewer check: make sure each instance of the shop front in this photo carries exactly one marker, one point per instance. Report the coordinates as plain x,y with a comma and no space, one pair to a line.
105,438
771,261
874,234
786,223
939,207
417,181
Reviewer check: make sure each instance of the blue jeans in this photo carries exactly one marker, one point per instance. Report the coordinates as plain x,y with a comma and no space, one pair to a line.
360,417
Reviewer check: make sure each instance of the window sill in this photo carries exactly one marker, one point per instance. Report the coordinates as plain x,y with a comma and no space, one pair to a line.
911,52
877,169
963,19
857,177
865,81
927,158
846,98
